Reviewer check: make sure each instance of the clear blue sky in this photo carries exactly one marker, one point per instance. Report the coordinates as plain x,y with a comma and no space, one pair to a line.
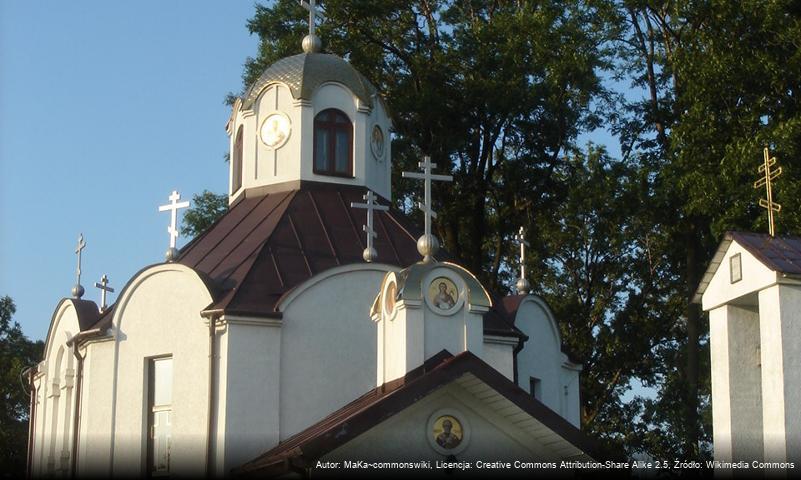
105,108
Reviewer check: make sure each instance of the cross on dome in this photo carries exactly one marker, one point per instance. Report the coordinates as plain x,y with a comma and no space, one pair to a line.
522,284
311,42
428,244
172,229
370,198
77,290
104,288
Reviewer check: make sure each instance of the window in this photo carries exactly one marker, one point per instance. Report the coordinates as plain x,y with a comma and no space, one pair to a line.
159,415
535,388
333,143
236,170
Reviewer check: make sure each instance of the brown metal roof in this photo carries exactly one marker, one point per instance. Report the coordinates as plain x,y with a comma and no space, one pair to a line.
264,246
780,254
391,398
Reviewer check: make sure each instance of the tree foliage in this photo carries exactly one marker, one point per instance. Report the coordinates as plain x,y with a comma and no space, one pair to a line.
16,354
206,208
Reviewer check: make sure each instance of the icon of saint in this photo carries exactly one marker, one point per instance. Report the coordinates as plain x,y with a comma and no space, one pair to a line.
444,299
448,439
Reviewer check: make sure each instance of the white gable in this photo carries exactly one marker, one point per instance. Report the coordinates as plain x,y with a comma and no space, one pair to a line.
725,287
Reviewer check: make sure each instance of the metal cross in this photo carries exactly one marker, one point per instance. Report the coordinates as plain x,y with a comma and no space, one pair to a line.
103,286
77,290
172,229
313,12
369,253
522,283
767,181
427,177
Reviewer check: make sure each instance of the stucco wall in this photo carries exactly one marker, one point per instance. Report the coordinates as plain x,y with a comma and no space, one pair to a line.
542,358
328,345
159,314
55,398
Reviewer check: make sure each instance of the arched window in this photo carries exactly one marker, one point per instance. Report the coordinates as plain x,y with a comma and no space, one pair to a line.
333,143
236,170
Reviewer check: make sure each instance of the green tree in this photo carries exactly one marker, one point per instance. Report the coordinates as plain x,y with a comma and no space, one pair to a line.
206,208
16,354
721,81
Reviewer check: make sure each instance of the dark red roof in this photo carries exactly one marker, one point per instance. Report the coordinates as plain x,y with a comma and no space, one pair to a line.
781,254
264,246
389,399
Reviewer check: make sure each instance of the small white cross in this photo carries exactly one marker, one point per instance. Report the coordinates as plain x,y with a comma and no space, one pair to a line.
103,286
427,177
77,291
521,239
173,207
313,12
370,206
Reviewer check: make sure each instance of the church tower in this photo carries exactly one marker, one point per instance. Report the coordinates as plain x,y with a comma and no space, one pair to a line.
309,117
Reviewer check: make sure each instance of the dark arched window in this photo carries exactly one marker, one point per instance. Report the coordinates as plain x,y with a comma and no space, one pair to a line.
236,171
333,143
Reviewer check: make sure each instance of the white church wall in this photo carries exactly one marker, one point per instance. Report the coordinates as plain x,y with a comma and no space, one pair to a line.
281,164
780,329
378,170
755,276
498,352
404,436
55,411
95,424
158,314
571,401
248,400
328,344
736,383
541,356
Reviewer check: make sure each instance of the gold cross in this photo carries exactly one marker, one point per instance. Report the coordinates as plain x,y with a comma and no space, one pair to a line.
768,176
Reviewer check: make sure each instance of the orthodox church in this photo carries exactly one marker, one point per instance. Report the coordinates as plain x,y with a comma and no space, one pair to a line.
311,325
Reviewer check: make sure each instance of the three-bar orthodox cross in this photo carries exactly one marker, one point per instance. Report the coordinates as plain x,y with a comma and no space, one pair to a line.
104,288
427,245
768,175
522,283
172,229
77,290
370,205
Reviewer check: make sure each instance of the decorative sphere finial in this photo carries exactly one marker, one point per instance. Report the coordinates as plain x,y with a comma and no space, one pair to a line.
369,254
312,44
77,291
171,254
523,286
428,246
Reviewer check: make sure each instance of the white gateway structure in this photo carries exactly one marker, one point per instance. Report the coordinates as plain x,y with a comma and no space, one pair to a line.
268,343
752,291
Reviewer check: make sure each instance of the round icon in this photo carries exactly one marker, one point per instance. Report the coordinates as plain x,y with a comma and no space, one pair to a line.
275,130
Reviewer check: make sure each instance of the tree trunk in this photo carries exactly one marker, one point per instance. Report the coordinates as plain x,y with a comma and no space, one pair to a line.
693,314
